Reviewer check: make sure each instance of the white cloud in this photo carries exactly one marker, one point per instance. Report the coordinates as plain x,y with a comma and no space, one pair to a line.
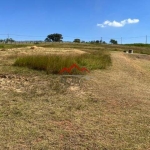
118,24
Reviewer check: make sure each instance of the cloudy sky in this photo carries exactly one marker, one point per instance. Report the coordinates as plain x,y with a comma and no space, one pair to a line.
84,19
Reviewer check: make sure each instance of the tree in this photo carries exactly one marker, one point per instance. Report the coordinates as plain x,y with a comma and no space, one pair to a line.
97,41
104,42
56,37
112,41
48,40
2,40
92,42
77,40
9,40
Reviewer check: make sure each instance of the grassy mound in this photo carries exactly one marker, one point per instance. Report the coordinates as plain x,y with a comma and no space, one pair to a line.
54,63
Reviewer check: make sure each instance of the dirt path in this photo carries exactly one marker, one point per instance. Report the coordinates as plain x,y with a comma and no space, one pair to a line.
128,78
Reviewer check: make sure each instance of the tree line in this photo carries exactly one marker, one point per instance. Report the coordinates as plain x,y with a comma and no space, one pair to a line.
56,37
7,40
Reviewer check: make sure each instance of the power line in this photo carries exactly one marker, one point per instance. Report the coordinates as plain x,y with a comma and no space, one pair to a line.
66,36
72,36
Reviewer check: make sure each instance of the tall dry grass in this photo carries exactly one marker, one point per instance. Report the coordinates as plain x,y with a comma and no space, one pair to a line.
54,63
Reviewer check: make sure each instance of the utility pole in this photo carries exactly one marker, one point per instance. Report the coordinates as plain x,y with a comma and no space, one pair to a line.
101,40
146,39
121,40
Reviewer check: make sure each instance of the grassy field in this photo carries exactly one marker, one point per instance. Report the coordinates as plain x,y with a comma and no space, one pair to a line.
138,48
109,111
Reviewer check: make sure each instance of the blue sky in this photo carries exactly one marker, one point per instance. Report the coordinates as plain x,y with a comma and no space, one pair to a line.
84,19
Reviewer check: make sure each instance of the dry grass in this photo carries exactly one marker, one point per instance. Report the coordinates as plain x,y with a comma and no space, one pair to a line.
54,63
109,111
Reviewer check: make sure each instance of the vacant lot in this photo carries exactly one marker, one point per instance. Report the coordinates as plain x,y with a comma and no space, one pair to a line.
110,111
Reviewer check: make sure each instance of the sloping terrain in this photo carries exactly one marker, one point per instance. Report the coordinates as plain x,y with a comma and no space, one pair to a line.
109,110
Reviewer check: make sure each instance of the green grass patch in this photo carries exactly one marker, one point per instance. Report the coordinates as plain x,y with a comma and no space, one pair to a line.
138,44
52,64
142,51
10,46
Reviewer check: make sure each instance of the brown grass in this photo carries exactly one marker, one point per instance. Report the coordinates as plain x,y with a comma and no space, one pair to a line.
108,112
